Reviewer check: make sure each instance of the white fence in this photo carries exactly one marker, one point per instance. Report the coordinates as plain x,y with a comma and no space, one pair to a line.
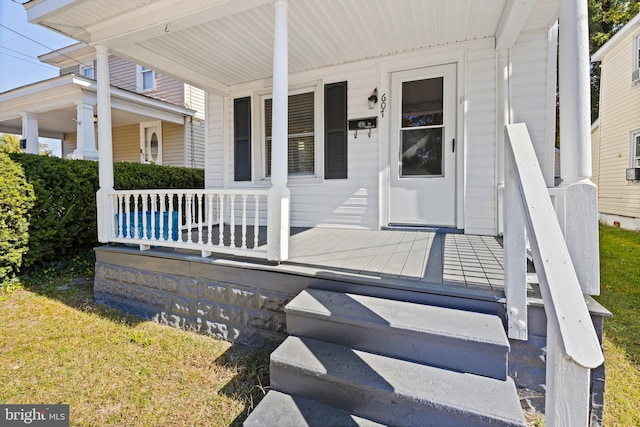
225,221
573,348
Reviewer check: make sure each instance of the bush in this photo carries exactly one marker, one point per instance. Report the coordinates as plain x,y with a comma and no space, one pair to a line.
63,220
16,200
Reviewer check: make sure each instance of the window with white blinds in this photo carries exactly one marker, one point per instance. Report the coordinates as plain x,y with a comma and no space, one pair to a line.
301,139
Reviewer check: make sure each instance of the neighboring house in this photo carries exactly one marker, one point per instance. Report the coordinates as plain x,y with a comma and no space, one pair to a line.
365,163
616,134
155,119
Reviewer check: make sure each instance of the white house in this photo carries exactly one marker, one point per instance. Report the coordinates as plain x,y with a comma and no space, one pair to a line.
616,133
374,118
156,119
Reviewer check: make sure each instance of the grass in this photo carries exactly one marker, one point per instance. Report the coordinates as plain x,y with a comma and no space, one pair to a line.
58,346
620,293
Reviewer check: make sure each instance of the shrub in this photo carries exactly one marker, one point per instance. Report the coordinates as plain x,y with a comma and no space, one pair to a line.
63,219
16,200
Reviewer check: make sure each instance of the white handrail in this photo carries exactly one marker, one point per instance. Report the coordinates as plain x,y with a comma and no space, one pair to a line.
573,347
186,219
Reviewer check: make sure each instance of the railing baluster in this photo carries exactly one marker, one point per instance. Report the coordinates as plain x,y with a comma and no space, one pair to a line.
131,222
152,201
210,218
256,222
244,221
120,216
199,198
170,221
161,197
180,198
221,222
189,212
232,218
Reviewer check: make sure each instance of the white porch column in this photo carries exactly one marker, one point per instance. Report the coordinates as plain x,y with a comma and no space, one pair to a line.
86,136
105,155
579,216
279,195
30,132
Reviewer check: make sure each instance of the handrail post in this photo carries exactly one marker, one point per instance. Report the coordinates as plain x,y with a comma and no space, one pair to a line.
567,384
515,253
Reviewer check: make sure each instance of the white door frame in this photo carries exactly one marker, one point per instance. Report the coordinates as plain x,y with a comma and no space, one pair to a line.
437,56
143,127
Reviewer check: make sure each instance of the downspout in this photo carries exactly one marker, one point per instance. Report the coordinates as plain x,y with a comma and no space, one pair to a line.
193,156
503,119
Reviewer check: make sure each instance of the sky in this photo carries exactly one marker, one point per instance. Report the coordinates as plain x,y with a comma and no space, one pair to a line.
20,45
19,63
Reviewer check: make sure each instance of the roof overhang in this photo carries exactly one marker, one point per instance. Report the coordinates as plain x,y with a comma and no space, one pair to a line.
215,44
54,101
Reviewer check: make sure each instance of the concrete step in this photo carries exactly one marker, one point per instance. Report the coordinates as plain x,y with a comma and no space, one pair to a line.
391,391
453,339
282,410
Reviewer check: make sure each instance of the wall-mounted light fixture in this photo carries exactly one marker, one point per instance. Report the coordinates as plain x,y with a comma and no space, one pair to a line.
373,99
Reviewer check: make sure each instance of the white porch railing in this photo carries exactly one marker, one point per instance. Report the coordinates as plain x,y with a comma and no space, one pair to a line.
573,348
213,220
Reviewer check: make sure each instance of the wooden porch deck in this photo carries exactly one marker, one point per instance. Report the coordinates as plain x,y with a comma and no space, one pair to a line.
447,263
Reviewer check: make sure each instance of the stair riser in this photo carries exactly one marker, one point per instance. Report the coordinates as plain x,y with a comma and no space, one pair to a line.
384,406
445,352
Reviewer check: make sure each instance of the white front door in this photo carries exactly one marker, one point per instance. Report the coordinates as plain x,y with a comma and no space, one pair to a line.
423,150
151,143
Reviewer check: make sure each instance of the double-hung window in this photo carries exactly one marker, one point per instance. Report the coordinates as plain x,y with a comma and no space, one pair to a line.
306,140
146,79
301,134
87,71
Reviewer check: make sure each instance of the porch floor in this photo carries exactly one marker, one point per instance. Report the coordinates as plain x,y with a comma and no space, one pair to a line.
447,263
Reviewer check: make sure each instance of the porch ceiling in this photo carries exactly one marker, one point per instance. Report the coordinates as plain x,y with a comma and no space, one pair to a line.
215,44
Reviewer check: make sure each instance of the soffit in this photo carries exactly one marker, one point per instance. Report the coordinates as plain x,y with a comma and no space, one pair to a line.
202,43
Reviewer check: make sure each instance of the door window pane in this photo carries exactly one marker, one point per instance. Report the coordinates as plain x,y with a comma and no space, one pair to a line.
422,102
421,152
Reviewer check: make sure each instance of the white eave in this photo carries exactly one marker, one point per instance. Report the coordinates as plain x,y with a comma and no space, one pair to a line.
70,55
214,44
630,27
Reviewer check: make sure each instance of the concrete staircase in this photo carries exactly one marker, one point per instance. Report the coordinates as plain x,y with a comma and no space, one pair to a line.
355,360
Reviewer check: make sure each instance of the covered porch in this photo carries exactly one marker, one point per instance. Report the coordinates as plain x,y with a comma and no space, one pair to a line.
496,170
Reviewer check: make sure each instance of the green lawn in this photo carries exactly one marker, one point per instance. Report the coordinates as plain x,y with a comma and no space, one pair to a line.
620,294
58,346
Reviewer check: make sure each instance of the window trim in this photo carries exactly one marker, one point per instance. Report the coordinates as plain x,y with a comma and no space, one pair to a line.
634,161
260,154
140,71
84,68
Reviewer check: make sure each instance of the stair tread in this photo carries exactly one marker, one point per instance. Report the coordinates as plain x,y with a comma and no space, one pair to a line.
283,410
399,315
404,380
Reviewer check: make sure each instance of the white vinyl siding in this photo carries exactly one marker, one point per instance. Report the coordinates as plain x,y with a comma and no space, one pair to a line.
172,144
481,199
215,147
126,143
354,202
619,119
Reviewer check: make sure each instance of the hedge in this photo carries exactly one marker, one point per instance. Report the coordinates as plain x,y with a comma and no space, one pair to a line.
63,219
16,200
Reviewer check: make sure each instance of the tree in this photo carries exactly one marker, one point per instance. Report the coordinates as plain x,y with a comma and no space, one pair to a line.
9,144
606,17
